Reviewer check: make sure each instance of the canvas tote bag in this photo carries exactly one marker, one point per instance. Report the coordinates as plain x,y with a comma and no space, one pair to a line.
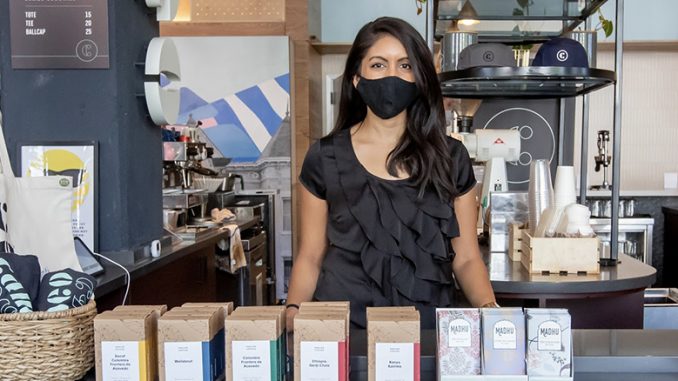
36,216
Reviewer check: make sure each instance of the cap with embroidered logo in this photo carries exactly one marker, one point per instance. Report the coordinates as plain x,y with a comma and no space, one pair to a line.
486,54
561,51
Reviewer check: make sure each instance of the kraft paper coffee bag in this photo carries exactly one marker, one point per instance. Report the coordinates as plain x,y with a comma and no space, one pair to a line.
254,346
321,346
191,346
393,351
126,345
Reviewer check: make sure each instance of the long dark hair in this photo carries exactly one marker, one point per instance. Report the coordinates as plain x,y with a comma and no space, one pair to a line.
422,150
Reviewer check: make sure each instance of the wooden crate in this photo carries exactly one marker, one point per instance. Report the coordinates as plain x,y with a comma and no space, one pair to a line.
515,249
560,255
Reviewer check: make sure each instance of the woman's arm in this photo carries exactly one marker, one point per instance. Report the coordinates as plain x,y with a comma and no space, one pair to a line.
468,265
312,245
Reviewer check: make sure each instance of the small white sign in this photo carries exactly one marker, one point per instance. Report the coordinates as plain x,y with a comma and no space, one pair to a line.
120,360
319,360
183,361
251,360
394,361
549,336
459,334
504,335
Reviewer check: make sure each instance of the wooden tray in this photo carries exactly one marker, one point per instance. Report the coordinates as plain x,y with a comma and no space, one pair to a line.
560,255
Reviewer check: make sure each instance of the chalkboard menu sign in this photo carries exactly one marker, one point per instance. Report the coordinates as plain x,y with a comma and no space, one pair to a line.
59,34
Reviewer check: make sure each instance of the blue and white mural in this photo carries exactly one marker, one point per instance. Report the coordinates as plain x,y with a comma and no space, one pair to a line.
238,87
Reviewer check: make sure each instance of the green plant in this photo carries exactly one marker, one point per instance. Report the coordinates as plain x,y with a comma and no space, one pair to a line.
420,5
604,24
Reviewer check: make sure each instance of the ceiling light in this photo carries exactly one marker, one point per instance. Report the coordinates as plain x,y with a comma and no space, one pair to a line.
468,15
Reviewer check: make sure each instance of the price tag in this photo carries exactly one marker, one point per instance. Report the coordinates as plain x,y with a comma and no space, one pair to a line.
59,34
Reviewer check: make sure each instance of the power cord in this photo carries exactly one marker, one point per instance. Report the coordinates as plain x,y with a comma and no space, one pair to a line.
129,278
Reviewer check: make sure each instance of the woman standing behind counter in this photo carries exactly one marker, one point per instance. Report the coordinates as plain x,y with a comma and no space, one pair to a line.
386,192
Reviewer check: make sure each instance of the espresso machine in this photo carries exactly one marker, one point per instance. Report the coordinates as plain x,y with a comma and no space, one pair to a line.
603,160
184,208
181,160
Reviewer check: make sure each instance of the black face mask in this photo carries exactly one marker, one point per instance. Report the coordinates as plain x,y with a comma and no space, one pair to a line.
388,96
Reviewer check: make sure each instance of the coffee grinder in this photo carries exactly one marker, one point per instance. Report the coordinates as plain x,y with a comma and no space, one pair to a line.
603,159
494,147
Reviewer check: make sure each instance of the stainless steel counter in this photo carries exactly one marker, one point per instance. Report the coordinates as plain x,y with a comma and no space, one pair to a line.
512,278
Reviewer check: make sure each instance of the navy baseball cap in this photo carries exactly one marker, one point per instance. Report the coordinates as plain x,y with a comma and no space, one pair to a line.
561,51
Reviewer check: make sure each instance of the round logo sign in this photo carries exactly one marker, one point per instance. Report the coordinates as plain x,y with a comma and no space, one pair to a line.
488,56
562,55
86,50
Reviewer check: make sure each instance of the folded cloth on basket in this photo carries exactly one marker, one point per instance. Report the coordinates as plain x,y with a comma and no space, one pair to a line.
26,269
65,289
13,295
236,251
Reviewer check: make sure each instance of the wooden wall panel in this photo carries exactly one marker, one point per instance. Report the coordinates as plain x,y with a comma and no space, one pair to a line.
296,26
296,19
238,10
222,28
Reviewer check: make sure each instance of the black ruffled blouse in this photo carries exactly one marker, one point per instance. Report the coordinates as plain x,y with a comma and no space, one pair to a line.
386,246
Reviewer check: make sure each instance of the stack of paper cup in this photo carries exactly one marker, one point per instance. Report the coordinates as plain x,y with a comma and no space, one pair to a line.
565,191
540,191
565,194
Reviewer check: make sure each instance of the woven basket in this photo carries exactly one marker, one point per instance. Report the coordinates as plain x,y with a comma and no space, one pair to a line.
47,345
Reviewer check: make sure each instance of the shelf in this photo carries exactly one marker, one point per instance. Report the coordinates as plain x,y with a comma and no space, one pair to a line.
509,21
523,82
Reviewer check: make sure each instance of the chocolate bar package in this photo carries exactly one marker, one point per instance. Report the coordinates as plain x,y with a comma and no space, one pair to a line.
458,337
549,342
503,339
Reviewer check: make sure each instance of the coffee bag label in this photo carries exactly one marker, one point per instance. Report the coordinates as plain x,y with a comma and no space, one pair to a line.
504,335
123,360
459,333
394,361
252,360
319,360
549,336
184,361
